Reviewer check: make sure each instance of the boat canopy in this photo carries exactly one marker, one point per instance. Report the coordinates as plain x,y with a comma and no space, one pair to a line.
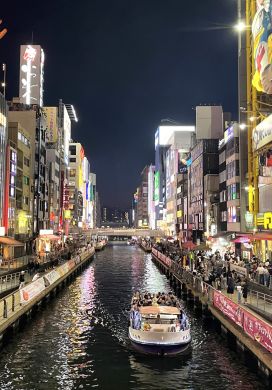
155,310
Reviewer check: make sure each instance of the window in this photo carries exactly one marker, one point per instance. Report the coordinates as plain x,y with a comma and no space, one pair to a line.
26,161
13,168
72,160
223,216
12,192
223,196
26,180
13,156
12,179
233,214
26,200
234,191
72,172
72,149
19,136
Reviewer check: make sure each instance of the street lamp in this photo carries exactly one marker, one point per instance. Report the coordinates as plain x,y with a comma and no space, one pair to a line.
240,26
242,126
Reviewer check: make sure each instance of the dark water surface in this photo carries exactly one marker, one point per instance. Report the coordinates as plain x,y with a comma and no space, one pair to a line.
79,341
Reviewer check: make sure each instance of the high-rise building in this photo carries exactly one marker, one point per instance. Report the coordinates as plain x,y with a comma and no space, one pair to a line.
53,151
4,190
92,180
32,118
151,204
19,178
75,183
142,203
172,144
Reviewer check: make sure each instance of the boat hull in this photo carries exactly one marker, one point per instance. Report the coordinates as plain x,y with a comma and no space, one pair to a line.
161,350
155,347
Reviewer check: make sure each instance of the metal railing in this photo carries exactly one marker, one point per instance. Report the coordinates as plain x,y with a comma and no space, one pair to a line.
261,301
14,263
11,302
10,281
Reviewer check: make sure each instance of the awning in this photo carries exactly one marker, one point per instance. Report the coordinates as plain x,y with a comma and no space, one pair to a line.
155,310
261,236
188,245
51,237
10,241
241,240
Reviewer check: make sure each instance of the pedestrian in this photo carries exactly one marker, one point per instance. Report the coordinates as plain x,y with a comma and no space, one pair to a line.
239,294
22,279
245,292
231,285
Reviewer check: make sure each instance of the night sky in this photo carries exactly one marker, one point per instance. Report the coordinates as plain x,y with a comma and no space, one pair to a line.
125,65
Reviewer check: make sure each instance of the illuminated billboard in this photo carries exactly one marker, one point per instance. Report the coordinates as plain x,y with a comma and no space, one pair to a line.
164,133
66,134
262,46
51,123
262,134
157,188
31,74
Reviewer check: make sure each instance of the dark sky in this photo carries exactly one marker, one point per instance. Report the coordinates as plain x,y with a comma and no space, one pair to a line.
125,65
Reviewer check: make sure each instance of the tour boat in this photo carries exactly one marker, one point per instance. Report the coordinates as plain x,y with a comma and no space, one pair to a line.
160,330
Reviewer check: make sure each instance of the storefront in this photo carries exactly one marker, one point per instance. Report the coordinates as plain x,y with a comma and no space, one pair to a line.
46,243
262,149
7,246
221,244
262,245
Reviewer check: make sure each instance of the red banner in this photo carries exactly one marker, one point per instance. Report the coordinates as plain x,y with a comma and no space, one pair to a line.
258,330
229,308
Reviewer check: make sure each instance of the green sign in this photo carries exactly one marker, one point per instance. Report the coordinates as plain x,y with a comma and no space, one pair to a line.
157,187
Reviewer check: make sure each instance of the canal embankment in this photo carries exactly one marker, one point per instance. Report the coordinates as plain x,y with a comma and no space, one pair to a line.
250,331
18,306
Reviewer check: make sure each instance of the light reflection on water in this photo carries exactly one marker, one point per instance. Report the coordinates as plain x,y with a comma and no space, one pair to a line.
80,340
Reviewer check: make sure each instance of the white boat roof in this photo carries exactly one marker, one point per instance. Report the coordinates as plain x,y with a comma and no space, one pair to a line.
155,310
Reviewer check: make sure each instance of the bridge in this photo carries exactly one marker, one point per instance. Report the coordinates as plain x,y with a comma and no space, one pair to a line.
125,232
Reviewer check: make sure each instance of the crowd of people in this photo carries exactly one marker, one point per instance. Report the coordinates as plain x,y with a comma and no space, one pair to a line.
219,269
159,299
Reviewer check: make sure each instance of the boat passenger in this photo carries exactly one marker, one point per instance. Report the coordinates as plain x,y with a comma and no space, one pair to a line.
172,326
158,319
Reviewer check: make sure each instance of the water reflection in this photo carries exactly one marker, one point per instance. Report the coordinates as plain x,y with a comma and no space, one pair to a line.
80,340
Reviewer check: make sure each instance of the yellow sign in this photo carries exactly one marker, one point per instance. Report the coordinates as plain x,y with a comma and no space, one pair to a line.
67,214
265,220
179,213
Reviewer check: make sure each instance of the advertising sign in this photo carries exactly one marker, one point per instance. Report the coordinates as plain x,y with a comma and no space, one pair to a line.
249,217
265,220
182,162
228,134
262,134
63,269
258,330
31,74
31,290
66,134
229,308
157,188
51,114
52,276
262,47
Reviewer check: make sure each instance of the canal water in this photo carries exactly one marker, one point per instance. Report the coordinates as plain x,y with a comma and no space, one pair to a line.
79,341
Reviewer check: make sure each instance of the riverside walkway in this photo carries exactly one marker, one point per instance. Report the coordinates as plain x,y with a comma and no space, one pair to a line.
21,302
250,329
